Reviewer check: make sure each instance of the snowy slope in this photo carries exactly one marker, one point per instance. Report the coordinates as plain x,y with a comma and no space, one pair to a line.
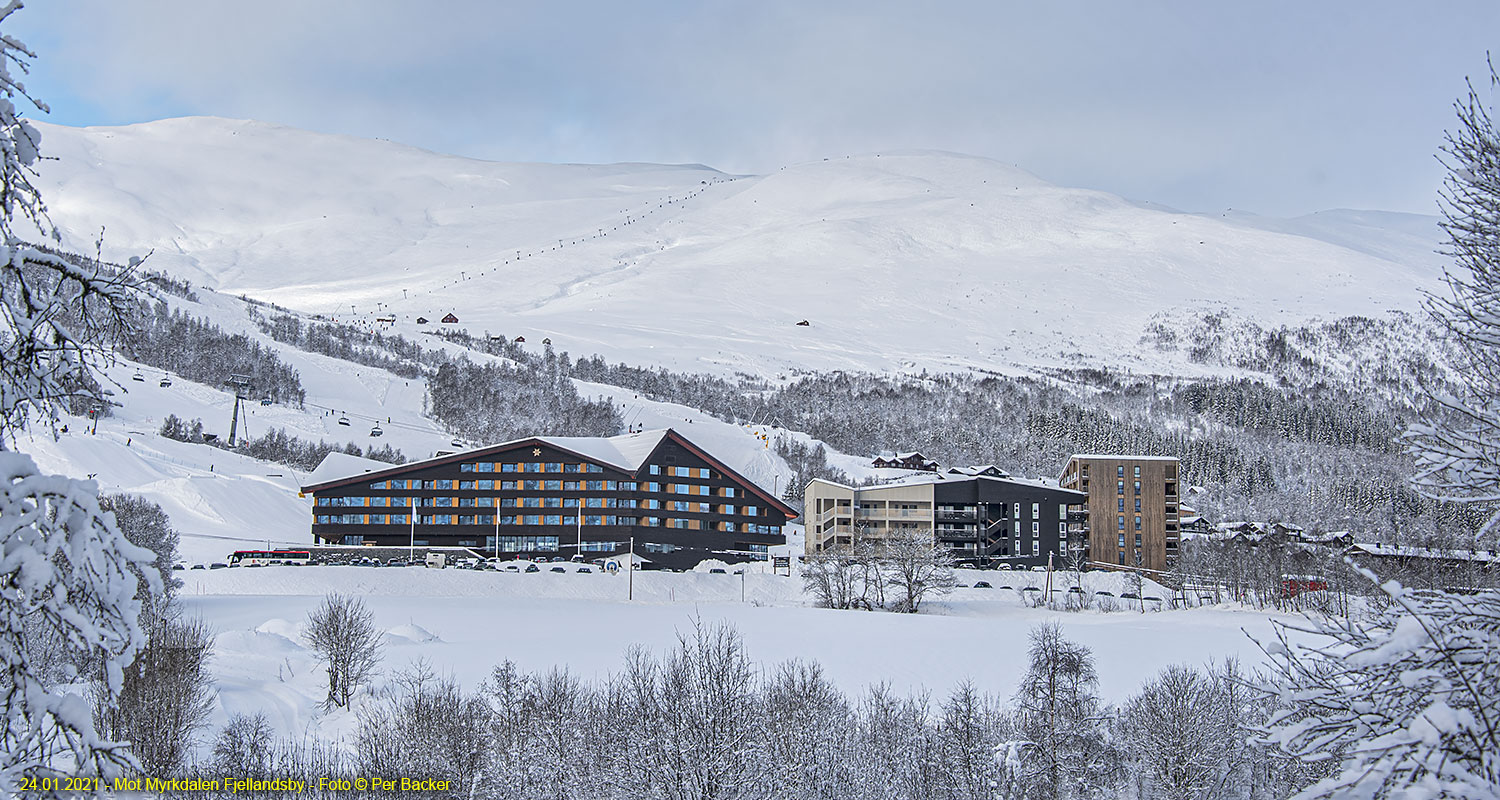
898,261
221,501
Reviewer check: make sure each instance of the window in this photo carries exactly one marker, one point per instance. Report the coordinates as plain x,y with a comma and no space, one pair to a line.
531,486
1036,547
572,486
552,502
532,466
1122,540
727,491
627,486
655,469
594,468
379,485
570,502
593,520
726,509
596,547
354,538
465,467
726,526
552,519
1062,528
1035,528
554,466
653,487
1036,510
1138,472
1018,511
507,467
466,485
1137,540
1121,507
552,486
531,502
531,519
1138,505
485,466
1120,471
1121,489
1122,523
1122,556
1137,487
485,485
1062,512
1018,529
527,544
1138,522
507,502
508,486
752,511
488,502
572,468
466,501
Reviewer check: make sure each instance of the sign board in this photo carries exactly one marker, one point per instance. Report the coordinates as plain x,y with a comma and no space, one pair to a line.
611,566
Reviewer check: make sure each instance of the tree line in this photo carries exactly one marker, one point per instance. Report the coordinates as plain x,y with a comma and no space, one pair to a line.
277,446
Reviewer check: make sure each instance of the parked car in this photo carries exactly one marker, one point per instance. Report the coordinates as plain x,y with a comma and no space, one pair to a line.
717,571
512,567
585,569
558,569
176,567
982,585
218,565
533,568
198,566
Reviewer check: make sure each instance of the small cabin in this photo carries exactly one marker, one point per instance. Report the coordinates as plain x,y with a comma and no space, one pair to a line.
520,340
449,319
547,341
421,320
804,324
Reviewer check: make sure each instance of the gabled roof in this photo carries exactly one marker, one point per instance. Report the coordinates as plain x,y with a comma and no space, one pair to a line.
627,452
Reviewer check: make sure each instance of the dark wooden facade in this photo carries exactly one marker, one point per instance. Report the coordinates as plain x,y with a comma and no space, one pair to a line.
523,499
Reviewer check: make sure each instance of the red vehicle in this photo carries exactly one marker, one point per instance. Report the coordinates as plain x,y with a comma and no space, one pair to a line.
1293,585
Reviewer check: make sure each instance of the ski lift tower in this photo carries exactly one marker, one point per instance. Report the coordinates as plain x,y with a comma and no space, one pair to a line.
241,384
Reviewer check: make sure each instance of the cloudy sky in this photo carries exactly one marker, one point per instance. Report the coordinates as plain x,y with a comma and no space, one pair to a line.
1276,107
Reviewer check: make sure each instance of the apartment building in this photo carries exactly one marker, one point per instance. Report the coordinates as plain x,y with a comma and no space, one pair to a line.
981,515
1133,508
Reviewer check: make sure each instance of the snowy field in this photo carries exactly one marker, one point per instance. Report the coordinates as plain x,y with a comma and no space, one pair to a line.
465,623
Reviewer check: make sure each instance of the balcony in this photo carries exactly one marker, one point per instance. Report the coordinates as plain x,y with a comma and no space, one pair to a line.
957,514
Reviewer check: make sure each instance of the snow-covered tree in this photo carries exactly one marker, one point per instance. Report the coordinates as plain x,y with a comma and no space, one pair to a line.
66,582
57,318
343,634
915,568
1458,453
1408,704
1059,723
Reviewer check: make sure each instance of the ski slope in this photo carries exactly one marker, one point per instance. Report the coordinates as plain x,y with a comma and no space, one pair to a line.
898,261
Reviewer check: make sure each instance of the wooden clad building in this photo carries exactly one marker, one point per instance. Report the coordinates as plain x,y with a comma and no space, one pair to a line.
1133,508
549,496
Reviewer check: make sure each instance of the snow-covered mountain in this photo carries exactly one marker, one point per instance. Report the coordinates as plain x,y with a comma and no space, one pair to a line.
897,260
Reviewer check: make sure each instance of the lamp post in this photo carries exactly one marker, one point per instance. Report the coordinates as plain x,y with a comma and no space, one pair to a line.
411,548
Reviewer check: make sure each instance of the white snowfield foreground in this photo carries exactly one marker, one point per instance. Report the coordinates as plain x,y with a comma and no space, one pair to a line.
465,623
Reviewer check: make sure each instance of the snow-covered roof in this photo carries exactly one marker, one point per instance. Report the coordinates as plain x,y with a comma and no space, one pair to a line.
1123,457
921,478
1490,556
336,465
626,451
